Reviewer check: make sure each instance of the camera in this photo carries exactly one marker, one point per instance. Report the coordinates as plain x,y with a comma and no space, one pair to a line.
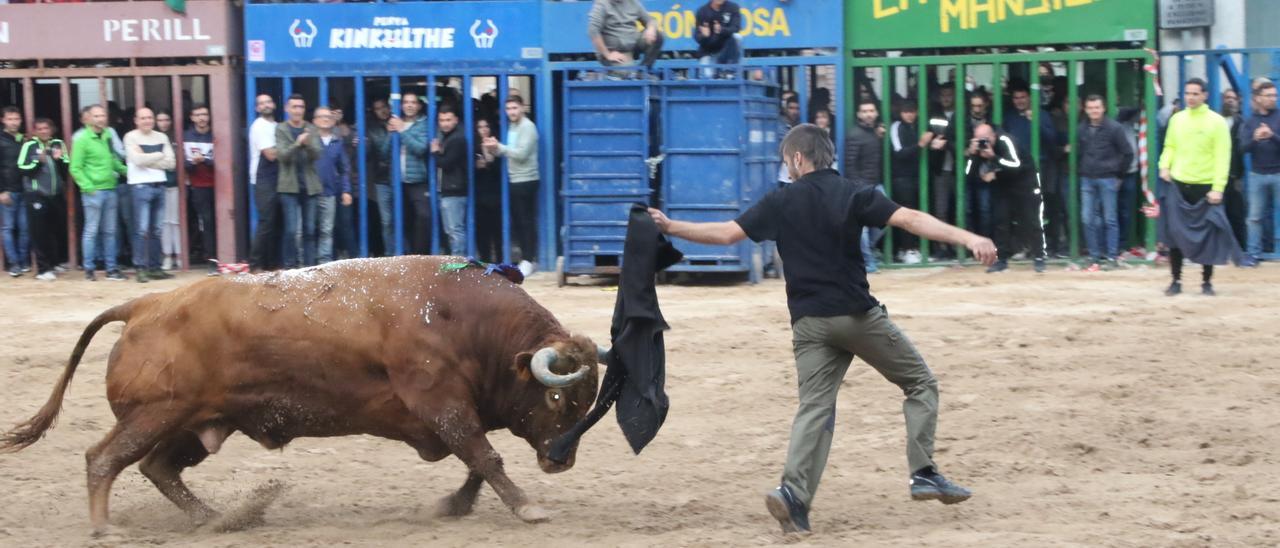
983,144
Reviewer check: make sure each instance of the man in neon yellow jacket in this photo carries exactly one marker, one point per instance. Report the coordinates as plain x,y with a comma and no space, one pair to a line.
95,169
1196,159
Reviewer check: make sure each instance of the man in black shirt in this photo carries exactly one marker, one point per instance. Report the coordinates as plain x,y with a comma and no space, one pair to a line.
817,222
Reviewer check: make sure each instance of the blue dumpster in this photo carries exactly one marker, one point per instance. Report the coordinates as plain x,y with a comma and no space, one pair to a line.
607,139
720,142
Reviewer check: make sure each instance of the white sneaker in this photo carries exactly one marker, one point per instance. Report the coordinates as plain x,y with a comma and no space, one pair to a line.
911,257
168,263
526,268
47,276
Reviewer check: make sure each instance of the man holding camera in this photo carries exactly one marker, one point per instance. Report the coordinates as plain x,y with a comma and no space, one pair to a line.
1017,206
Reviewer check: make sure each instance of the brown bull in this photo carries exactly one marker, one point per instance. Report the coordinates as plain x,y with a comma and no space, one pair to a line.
394,348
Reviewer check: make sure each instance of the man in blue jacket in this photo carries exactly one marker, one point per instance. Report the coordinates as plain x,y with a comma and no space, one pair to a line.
1104,156
717,35
1258,137
334,169
413,170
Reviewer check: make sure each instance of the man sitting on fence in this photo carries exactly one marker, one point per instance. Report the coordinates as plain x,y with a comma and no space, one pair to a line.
717,35
612,28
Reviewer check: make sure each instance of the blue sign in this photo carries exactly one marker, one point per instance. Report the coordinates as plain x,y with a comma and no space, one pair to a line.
410,32
766,24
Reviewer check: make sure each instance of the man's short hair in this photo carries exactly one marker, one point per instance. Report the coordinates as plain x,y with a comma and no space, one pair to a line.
296,97
1196,82
199,106
45,121
871,102
908,105
514,99
1017,84
1264,85
793,99
1092,97
446,109
812,143
10,110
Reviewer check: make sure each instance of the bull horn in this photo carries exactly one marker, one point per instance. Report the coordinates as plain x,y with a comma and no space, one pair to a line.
541,366
602,354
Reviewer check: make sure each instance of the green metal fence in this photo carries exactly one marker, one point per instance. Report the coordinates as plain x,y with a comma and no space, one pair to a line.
1133,85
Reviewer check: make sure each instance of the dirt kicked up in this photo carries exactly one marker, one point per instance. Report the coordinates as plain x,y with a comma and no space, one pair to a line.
1081,408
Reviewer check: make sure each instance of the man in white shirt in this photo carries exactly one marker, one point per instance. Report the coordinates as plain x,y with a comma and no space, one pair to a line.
148,154
263,172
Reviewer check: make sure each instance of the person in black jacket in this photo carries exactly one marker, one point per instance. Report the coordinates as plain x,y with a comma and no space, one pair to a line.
1233,195
834,317
904,137
488,196
13,216
41,165
1017,208
1103,156
718,24
450,150
864,163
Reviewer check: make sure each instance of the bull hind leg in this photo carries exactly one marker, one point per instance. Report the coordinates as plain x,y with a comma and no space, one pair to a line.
164,465
133,436
463,500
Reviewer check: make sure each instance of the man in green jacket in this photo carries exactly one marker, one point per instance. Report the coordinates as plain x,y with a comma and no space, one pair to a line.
1197,159
95,167
297,147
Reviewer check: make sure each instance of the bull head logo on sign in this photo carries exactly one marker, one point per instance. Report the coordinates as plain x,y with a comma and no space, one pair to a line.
300,37
484,38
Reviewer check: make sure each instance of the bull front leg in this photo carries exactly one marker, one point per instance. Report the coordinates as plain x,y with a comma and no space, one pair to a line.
461,501
466,438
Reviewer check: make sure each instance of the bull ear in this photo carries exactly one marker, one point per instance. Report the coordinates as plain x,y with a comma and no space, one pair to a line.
521,365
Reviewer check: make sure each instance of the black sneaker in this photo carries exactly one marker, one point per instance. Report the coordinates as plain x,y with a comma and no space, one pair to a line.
1039,265
141,277
116,276
998,266
1174,289
927,484
158,274
1207,289
15,272
88,275
790,513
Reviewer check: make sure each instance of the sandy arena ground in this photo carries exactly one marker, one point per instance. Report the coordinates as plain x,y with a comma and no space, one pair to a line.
1082,408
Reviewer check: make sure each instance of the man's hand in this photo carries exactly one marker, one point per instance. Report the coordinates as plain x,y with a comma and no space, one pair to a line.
435,145
704,30
982,249
973,147
395,124
1262,133
925,139
302,139
880,130
650,34
346,198
1066,148
1164,174
491,144
660,219
57,153
617,57
197,158
989,177
938,144
987,153
5,198
1214,197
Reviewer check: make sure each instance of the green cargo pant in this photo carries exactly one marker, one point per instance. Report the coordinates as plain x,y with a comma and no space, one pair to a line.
824,347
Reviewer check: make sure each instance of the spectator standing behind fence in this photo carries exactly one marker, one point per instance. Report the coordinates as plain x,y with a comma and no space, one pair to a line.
264,174
521,152
198,142
149,155
96,168
297,147
1018,123
450,151
488,197
864,163
718,24
1196,159
788,117
1233,195
17,239
904,138
377,142
1104,157
939,137
334,169
1257,137
1004,166
413,171
979,199
611,24
40,164
170,226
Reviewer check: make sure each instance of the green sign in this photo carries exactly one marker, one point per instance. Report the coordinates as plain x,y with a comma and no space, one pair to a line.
909,24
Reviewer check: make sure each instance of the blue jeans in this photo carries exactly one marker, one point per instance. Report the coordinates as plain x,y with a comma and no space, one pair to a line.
16,250
730,54
299,224
327,210
1128,209
100,211
871,237
453,218
386,214
980,197
1264,190
148,212
1100,195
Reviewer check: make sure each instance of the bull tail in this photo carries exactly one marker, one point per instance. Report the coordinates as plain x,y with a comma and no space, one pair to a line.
29,432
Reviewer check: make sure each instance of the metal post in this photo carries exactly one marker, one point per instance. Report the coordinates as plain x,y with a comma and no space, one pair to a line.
1073,180
546,135
397,188
922,122
1035,129
1213,72
179,131
432,181
1112,110
468,133
1153,138
362,163
506,184
251,98
962,104
886,107
323,99
802,92
840,122
997,96
73,241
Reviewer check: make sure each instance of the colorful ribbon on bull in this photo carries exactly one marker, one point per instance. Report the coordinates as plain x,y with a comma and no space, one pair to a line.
508,271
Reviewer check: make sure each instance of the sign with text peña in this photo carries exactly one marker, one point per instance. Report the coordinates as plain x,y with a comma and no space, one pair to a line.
411,32
766,24
909,24
111,30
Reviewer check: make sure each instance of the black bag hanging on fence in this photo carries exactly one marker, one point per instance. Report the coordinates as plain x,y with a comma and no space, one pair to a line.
636,373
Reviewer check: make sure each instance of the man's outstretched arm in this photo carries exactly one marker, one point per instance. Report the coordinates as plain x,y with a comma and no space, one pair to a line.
724,233
927,226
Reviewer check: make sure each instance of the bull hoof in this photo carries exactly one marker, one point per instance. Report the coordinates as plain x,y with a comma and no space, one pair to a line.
453,507
532,514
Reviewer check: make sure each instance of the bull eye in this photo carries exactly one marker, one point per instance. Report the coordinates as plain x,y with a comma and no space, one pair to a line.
553,398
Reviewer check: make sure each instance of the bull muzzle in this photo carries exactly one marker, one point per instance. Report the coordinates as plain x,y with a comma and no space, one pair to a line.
602,354
544,360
